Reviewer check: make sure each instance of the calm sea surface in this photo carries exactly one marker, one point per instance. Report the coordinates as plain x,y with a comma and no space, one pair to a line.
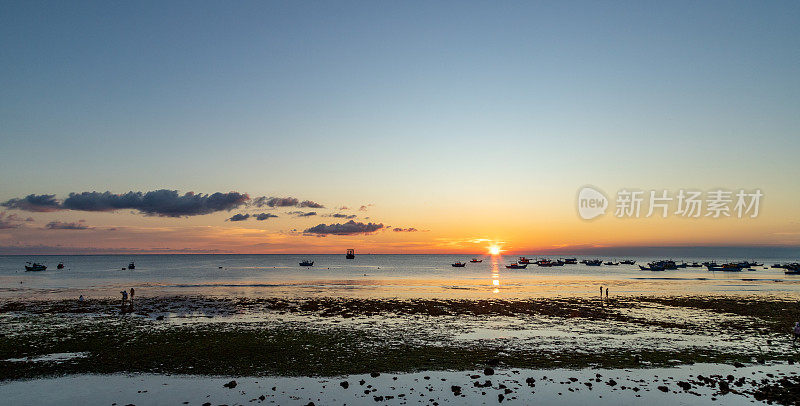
400,276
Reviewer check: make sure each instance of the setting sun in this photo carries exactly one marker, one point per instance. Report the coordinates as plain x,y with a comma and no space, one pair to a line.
494,250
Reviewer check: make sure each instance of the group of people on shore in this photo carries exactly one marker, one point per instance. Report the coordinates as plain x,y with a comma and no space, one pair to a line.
127,300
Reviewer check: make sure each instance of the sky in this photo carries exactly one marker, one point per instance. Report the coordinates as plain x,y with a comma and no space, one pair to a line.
464,124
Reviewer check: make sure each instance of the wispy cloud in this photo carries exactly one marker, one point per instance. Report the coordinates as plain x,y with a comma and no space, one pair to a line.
263,216
299,213
404,230
60,225
341,215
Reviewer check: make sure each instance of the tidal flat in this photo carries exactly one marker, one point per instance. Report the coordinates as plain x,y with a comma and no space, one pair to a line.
335,337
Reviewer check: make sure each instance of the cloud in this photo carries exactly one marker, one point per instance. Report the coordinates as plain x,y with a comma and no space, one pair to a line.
310,204
404,230
263,216
365,207
342,216
299,213
275,201
9,221
284,202
239,217
164,203
37,203
60,225
349,228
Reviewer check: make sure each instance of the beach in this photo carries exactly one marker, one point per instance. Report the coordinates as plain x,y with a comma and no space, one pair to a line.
298,333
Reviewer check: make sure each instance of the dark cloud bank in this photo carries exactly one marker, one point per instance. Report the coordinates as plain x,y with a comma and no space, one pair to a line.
349,228
165,203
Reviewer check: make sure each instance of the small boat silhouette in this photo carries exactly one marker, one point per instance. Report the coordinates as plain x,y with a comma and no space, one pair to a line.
459,264
515,265
131,266
307,263
34,267
475,260
60,265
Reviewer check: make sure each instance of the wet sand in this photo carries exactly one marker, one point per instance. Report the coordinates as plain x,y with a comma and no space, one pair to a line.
331,337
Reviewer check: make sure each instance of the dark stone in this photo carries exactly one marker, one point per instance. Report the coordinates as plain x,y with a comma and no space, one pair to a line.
344,384
230,385
488,371
738,365
611,382
685,385
375,374
500,397
663,388
455,389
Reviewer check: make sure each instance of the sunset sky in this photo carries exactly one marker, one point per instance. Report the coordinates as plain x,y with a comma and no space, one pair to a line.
458,124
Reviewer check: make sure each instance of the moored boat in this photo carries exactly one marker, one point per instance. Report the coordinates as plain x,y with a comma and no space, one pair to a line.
60,265
475,260
611,263
35,267
307,263
131,266
593,262
652,267
515,265
458,264
627,262
571,261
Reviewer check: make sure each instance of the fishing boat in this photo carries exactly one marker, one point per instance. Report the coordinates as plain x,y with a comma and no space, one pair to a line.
681,265
651,267
475,260
730,267
307,263
523,260
515,265
131,266
694,265
593,262
34,267
777,266
611,263
571,261
667,264
60,265
351,254
792,269
628,262
557,263
458,264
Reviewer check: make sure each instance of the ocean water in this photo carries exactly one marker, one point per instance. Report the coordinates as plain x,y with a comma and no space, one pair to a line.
402,276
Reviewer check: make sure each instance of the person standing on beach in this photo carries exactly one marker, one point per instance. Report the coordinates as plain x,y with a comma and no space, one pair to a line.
124,299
